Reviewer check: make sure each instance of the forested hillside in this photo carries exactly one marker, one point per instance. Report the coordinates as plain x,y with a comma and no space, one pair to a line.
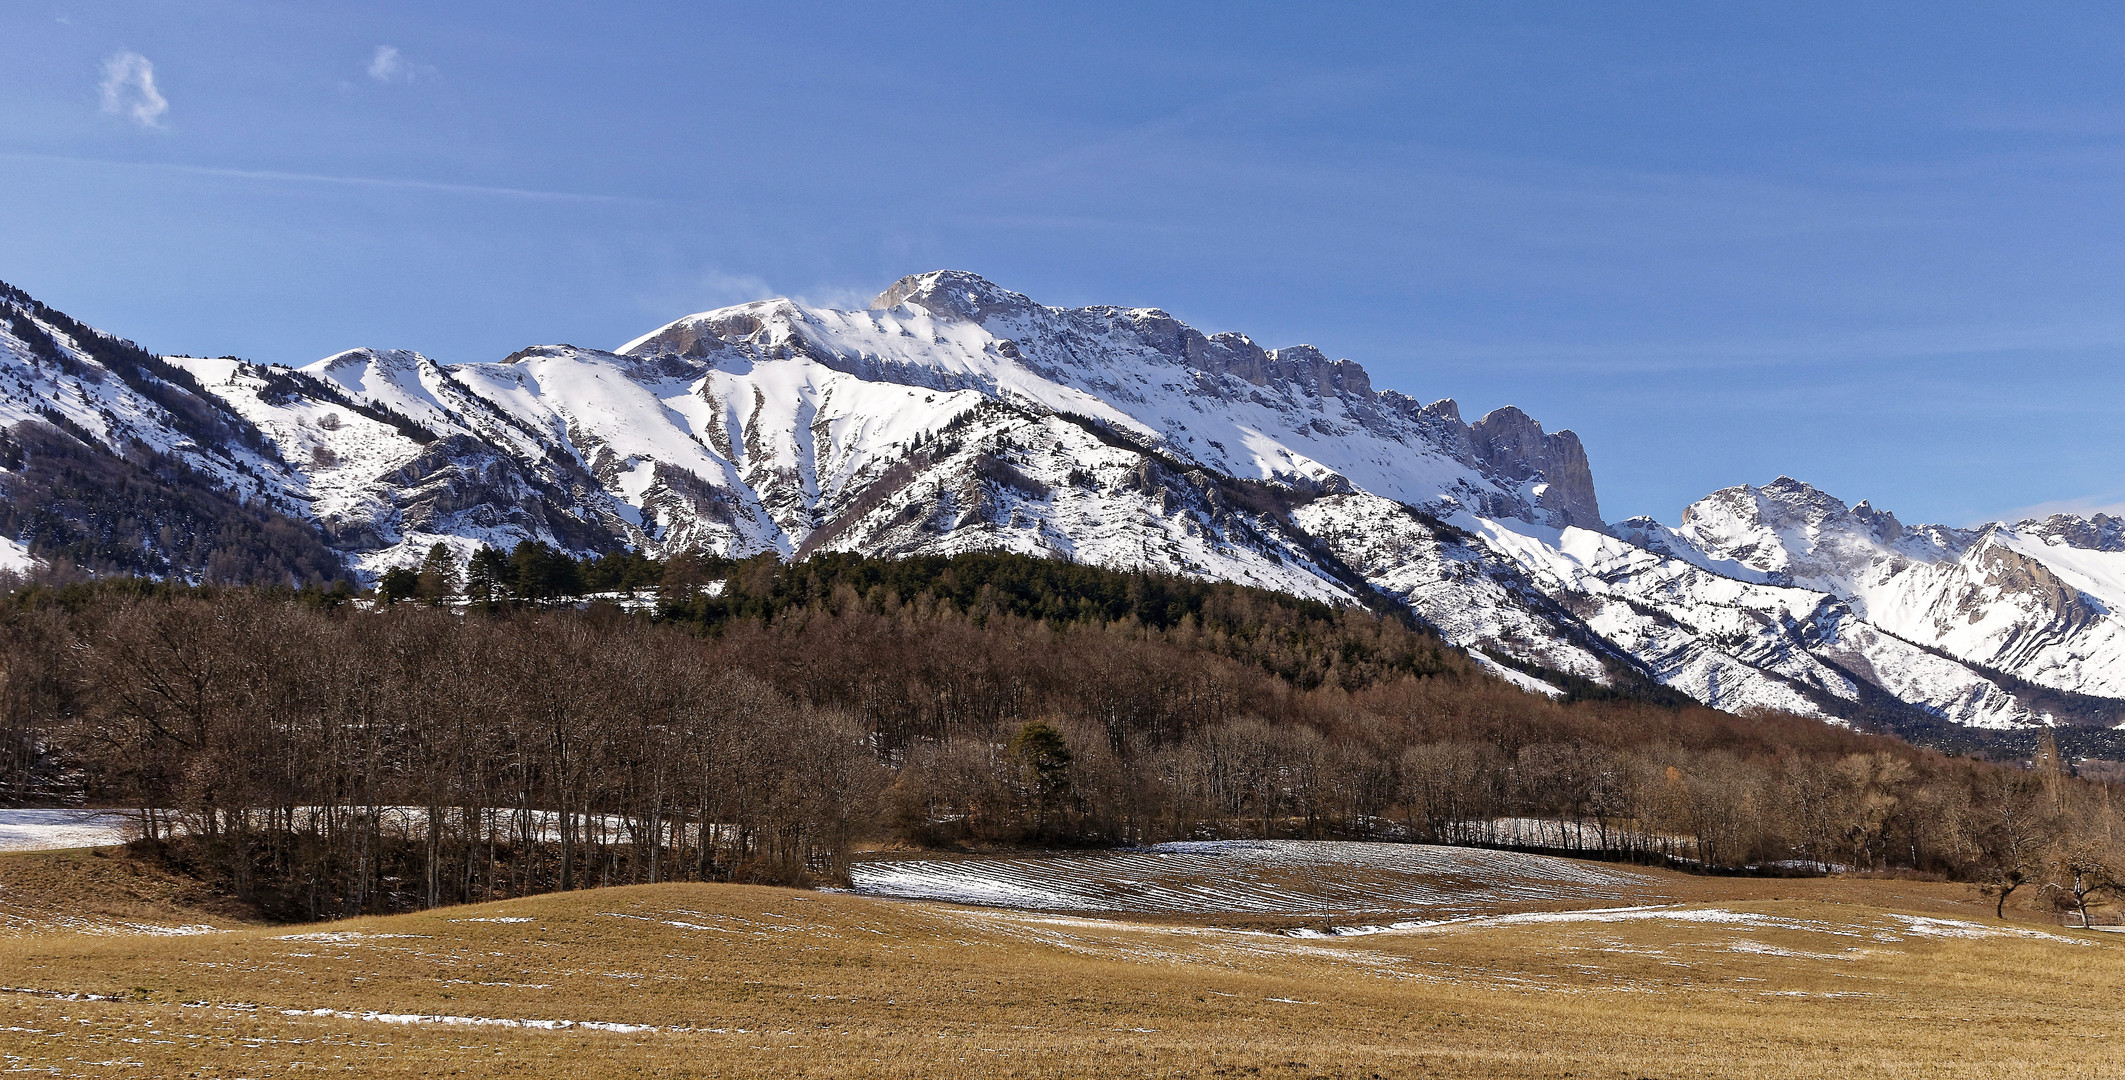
953,416
323,757
69,503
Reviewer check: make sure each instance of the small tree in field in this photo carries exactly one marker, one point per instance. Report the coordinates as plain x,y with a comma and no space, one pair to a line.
2082,874
2012,825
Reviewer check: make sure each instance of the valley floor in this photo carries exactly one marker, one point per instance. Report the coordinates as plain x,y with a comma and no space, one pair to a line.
112,971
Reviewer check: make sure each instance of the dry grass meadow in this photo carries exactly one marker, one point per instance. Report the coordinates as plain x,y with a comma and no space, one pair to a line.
1724,978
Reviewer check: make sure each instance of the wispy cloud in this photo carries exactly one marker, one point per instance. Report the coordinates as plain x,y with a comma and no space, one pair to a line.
838,297
721,290
388,65
129,90
713,289
321,178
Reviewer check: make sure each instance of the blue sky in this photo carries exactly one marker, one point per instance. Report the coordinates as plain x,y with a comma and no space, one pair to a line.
1878,250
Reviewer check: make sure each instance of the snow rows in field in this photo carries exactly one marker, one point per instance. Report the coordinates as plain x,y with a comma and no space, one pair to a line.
1265,877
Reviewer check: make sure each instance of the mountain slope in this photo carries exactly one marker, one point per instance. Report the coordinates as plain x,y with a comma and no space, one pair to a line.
116,461
954,415
1222,403
2038,600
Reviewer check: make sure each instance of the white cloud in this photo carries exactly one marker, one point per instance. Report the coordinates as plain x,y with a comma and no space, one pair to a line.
390,65
838,297
129,90
717,288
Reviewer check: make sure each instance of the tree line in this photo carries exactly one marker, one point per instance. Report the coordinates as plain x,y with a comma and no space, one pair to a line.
322,757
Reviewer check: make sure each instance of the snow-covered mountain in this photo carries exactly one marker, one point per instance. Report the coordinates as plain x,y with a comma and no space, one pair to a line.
115,460
2037,600
955,415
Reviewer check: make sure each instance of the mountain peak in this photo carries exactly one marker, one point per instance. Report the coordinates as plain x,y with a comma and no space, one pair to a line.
1799,501
395,360
955,293
1884,523
1787,487
1513,442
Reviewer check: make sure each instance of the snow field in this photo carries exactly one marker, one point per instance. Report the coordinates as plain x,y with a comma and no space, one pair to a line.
1254,877
53,830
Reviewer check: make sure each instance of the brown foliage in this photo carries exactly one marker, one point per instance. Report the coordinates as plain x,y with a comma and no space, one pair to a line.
324,761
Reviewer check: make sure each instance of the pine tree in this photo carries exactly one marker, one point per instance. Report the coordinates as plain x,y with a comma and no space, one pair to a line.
438,574
489,577
1044,760
398,583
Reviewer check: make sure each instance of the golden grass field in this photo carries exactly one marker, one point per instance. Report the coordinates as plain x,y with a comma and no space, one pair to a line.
1727,978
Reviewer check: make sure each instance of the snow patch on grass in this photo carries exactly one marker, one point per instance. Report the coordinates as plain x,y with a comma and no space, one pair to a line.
479,1021
1273,877
54,830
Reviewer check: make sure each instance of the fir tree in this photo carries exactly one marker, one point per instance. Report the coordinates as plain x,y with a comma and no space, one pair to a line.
488,578
438,574
398,583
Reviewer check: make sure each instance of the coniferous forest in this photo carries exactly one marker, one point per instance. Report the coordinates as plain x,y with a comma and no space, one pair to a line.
481,731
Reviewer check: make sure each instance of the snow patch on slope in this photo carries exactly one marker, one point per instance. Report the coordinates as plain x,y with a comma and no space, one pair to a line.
14,558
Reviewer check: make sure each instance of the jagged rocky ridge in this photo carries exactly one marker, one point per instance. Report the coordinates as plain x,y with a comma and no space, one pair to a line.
956,415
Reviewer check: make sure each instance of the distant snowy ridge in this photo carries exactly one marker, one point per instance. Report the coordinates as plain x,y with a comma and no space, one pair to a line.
2037,600
954,415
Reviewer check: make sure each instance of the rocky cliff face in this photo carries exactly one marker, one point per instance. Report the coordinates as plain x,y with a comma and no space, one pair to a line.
2100,532
1290,416
1512,442
956,415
